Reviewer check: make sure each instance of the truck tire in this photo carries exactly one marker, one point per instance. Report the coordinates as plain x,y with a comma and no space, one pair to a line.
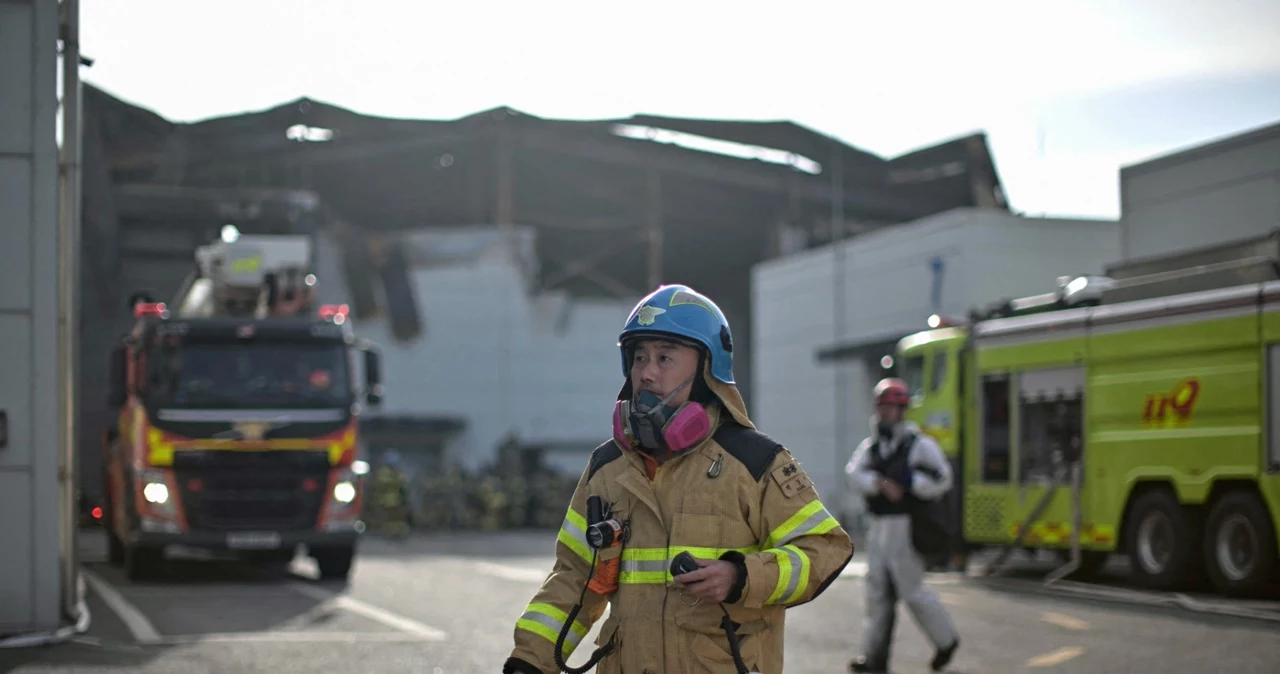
142,563
1162,541
1240,545
334,563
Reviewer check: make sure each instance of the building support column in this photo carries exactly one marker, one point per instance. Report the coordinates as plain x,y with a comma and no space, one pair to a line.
31,416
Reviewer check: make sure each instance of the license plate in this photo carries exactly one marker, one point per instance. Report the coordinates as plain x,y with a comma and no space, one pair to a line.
253,540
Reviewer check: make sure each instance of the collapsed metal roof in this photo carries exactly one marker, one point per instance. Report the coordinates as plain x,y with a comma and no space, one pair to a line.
645,197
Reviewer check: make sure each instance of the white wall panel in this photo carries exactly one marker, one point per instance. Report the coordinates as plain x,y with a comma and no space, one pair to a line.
545,366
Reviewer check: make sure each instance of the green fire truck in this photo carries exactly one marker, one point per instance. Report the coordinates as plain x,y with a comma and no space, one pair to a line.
1140,409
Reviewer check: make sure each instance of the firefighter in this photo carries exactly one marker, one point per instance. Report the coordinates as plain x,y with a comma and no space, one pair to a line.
686,471
894,464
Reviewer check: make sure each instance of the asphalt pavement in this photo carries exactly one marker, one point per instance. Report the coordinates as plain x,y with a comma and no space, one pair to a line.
447,603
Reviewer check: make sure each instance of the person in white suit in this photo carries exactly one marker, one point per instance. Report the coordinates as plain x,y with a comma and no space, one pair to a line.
893,465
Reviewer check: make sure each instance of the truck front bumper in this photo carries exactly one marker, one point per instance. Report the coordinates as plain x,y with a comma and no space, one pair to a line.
248,540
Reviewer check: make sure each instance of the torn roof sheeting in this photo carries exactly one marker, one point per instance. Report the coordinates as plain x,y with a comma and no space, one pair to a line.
582,184
288,128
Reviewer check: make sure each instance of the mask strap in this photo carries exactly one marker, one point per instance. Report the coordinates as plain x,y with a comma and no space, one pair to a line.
674,391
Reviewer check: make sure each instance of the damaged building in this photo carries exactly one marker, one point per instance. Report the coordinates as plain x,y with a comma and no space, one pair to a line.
587,216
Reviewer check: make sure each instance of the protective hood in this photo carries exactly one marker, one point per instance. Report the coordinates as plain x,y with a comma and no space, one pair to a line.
729,397
900,430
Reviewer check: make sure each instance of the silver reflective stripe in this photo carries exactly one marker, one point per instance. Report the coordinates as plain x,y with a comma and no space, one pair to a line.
797,573
806,527
571,640
577,533
642,565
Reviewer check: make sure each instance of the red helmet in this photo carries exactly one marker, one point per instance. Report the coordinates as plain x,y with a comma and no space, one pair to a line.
892,391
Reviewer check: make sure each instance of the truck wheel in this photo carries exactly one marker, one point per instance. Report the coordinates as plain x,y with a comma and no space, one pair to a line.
141,563
1162,541
334,563
1240,545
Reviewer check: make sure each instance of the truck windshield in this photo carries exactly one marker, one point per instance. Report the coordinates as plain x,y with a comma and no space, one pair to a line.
277,374
913,374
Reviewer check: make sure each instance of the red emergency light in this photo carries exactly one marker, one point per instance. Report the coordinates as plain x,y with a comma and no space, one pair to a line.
328,311
142,309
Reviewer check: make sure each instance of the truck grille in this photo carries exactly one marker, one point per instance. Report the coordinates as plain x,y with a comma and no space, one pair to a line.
239,490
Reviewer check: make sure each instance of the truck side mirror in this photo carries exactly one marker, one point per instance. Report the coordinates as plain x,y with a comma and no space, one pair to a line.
117,384
373,376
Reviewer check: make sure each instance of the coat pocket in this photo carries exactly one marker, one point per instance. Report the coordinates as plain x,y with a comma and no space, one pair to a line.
611,663
706,647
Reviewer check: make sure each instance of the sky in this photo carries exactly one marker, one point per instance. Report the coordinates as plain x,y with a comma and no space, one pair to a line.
1067,91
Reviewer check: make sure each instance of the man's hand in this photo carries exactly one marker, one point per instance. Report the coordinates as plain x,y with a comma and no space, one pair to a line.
891,490
712,582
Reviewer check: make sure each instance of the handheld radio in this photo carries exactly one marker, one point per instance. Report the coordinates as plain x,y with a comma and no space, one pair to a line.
684,563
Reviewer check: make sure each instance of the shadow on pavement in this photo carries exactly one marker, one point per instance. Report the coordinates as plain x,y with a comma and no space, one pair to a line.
186,599
1032,587
81,652
522,543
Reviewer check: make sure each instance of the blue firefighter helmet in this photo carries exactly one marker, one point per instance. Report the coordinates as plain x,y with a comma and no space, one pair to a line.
686,314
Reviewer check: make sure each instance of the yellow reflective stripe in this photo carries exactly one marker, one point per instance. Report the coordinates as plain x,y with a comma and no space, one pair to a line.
546,621
813,519
652,566
793,574
573,533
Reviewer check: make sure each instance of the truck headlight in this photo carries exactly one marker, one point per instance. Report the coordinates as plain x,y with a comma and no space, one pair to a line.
344,492
156,492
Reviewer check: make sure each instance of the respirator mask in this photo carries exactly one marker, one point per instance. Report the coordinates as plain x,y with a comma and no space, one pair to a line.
648,423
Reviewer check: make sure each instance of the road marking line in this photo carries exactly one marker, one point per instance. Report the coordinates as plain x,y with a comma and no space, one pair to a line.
1056,657
211,592
1064,621
142,630
306,618
372,612
949,599
855,569
515,573
858,569
277,636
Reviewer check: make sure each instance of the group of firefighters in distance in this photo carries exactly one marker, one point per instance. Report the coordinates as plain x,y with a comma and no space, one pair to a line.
698,531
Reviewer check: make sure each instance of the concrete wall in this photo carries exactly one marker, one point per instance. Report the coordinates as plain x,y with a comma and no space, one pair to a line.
1211,194
29,585
544,365
893,280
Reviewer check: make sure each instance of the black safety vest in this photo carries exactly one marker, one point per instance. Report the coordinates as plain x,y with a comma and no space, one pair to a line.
895,467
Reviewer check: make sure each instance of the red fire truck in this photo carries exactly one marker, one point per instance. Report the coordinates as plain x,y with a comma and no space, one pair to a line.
238,410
